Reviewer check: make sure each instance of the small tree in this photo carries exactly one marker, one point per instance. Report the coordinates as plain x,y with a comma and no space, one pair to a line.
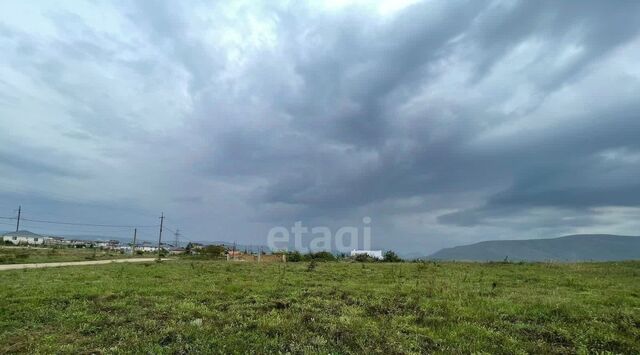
213,250
391,257
364,258
294,256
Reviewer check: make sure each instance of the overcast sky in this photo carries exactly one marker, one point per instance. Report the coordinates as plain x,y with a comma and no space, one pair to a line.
447,122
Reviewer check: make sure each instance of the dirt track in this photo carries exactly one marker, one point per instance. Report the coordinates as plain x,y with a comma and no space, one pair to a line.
73,263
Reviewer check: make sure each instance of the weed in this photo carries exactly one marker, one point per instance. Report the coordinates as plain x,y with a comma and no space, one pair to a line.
312,265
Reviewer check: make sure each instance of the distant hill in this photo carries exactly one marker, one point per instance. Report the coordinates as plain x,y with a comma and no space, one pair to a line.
581,247
22,233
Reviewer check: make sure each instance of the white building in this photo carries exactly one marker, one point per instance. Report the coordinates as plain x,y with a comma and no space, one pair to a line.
77,243
376,254
57,241
147,247
107,244
24,237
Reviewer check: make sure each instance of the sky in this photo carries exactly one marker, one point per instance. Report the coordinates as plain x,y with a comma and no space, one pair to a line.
444,122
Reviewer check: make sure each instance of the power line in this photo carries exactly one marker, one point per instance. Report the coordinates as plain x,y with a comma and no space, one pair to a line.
122,226
177,231
147,237
160,236
87,224
18,223
76,229
169,229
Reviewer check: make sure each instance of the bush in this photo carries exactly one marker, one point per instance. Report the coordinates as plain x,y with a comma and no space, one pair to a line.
321,256
22,255
213,251
391,257
364,258
294,256
7,259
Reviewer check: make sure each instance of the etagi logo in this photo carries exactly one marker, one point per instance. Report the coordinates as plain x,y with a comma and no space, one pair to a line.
320,238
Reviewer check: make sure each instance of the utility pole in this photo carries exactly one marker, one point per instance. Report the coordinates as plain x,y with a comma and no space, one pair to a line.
160,235
18,223
177,234
133,246
233,253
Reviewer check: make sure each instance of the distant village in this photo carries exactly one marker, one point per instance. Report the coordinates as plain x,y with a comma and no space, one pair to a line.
27,238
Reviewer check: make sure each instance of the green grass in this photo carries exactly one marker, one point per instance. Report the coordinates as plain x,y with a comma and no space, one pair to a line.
25,255
226,307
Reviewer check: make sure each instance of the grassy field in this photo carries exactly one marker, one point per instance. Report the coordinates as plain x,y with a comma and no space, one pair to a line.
25,255
233,307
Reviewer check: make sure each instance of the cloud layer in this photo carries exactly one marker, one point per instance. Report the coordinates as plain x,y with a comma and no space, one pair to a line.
447,122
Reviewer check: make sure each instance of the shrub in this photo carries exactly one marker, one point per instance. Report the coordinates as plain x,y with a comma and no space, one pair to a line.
364,258
321,256
294,256
391,257
22,255
213,250
312,265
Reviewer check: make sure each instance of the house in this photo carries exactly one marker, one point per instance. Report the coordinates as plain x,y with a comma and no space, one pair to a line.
177,250
147,247
376,254
125,249
234,253
24,237
56,241
78,243
195,246
107,244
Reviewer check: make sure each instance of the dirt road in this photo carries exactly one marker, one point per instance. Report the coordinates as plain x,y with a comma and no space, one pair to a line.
74,263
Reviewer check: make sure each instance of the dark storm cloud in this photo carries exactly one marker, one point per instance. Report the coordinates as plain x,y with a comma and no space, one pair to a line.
358,73
166,25
593,163
367,67
596,26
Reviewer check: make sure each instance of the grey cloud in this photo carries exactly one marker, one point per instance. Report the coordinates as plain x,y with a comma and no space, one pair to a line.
47,163
391,60
188,199
390,63
595,26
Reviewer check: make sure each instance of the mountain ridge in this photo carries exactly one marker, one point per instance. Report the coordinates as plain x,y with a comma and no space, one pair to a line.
577,247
